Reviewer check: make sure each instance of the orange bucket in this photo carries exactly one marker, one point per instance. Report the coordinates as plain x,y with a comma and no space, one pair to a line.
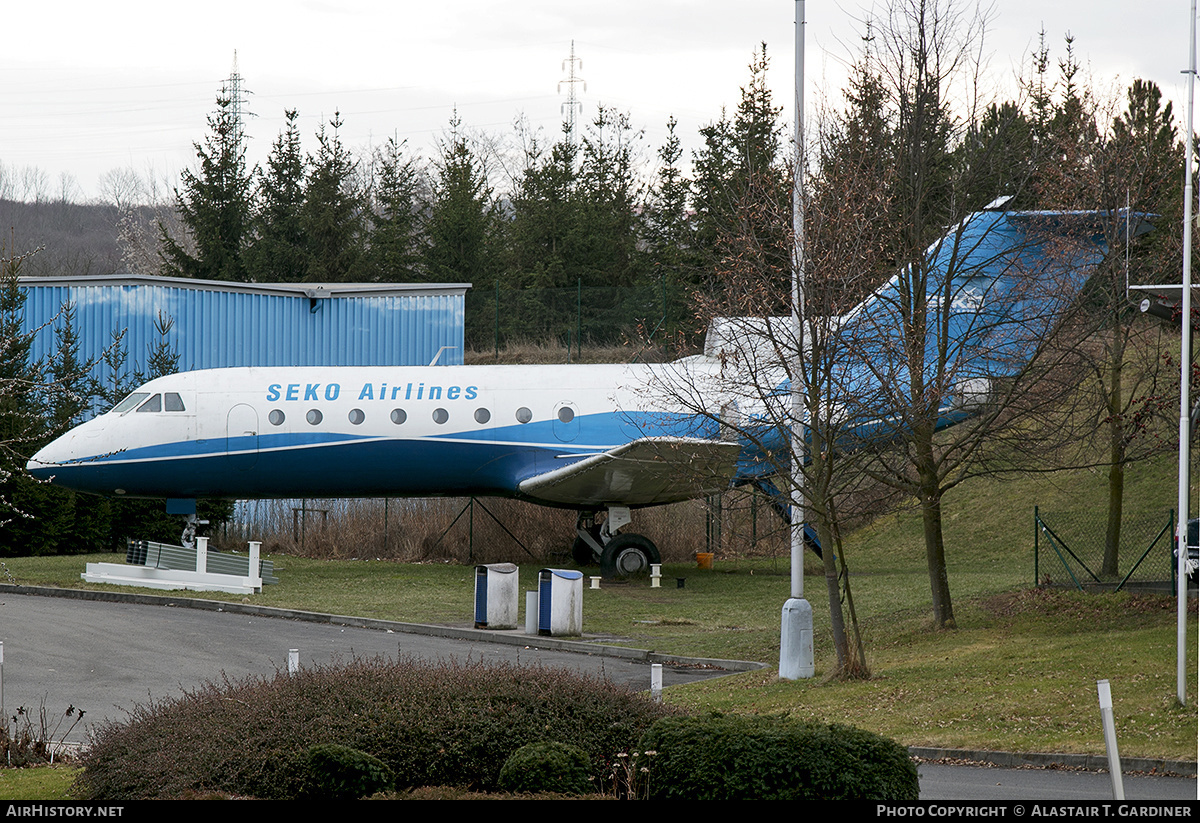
704,560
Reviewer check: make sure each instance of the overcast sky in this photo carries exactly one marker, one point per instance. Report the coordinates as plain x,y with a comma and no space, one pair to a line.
88,87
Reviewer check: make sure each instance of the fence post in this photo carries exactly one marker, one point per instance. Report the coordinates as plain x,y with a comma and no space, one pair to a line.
497,320
1036,545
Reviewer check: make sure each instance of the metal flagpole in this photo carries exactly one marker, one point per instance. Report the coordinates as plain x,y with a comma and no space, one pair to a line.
796,634
1185,348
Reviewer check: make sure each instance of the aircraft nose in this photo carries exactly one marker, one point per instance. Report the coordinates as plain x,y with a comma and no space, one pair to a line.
49,459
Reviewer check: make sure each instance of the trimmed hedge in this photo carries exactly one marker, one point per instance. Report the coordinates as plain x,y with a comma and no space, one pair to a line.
443,724
547,767
773,758
342,773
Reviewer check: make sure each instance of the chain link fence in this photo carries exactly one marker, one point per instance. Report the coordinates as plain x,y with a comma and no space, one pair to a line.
488,530
1069,550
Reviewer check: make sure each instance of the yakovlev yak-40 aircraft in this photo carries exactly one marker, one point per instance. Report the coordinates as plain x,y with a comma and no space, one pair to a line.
599,439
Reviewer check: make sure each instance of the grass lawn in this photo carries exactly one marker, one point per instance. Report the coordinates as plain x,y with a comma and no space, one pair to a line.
1019,673
40,783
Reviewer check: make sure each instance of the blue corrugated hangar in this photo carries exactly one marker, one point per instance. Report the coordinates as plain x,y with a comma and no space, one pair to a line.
216,324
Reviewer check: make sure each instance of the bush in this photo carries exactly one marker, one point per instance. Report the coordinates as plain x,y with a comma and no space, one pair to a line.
341,773
773,758
431,724
547,767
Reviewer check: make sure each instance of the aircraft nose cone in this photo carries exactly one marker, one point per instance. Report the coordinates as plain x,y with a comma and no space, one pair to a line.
50,459
41,465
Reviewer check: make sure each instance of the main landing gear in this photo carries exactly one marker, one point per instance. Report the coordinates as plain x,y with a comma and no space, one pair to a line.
619,555
188,538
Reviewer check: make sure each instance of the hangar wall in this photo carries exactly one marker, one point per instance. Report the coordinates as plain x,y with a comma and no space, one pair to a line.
218,324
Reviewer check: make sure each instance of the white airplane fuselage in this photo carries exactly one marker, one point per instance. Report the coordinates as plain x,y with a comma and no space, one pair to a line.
363,432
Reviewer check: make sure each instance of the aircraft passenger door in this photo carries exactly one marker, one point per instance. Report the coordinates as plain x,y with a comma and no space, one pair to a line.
241,437
566,422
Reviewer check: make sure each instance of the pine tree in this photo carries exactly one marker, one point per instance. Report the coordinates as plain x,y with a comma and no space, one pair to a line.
73,387
119,382
214,206
741,188
30,522
546,220
463,226
394,253
333,211
84,517
669,234
714,200
543,250
162,358
609,195
280,250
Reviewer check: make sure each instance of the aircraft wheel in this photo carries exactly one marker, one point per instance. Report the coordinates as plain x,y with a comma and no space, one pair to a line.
581,552
628,555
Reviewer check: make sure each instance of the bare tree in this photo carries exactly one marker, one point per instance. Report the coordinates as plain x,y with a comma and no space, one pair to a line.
122,188
142,208
741,384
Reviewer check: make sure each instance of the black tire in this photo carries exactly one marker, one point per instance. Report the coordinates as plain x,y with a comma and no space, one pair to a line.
628,555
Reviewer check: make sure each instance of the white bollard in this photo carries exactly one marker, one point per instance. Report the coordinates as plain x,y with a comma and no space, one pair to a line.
656,682
595,582
254,571
655,575
293,661
1110,739
531,612
202,555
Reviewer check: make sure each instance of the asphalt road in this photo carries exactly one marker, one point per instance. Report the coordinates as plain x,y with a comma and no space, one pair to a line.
106,657
959,782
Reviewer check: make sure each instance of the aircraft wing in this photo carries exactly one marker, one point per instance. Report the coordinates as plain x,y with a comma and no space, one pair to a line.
646,472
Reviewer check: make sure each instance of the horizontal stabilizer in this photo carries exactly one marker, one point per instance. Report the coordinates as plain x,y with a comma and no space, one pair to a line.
649,471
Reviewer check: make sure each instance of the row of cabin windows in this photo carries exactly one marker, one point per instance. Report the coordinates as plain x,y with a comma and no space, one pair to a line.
172,402
356,416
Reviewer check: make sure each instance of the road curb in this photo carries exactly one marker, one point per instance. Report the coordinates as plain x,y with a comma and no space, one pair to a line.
1046,760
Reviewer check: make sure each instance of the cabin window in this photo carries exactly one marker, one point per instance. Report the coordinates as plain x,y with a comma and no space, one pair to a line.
524,415
314,416
482,415
440,416
357,417
130,401
398,416
172,402
154,404
566,414
276,417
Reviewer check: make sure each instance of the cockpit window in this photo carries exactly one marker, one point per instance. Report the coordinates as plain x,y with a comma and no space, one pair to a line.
130,401
172,402
154,404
